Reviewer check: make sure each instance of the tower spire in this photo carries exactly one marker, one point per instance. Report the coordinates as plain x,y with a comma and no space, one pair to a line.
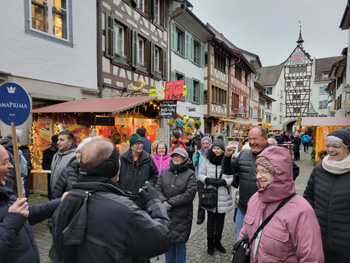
300,40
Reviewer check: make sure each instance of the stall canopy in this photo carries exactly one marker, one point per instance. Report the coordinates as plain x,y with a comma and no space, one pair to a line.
325,121
113,105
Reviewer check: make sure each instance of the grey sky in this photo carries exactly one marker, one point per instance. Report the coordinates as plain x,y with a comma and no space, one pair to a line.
270,28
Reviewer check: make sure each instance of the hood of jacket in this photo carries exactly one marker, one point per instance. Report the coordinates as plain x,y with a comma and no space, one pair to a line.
163,157
283,185
70,150
141,131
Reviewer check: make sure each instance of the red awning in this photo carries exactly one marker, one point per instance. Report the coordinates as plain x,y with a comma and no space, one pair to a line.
276,128
325,121
114,105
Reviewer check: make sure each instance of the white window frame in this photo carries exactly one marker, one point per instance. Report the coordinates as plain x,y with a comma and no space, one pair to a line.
141,5
119,40
156,11
180,41
323,90
156,59
196,91
196,52
140,51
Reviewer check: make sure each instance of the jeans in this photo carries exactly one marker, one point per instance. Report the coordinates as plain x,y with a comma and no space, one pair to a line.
176,253
239,222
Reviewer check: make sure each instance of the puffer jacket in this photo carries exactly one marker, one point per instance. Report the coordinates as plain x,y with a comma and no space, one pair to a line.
210,170
177,186
328,194
293,234
17,241
68,177
162,161
146,142
132,178
60,161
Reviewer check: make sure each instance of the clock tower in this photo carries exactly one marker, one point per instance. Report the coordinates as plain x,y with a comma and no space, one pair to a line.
297,81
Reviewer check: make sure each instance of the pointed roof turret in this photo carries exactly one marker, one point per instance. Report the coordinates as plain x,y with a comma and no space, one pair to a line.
312,112
300,40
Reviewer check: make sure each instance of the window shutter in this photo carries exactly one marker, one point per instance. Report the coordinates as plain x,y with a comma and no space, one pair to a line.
173,75
201,93
109,36
191,55
187,46
133,49
165,68
151,9
202,58
189,85
173,36
151,58
165,14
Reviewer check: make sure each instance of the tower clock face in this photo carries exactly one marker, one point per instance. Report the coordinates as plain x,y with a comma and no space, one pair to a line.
298,57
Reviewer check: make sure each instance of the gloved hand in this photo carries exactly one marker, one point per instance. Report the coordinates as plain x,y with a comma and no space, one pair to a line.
148,193
215,182
167,205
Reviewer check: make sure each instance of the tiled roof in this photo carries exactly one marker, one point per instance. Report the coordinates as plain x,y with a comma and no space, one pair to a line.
268,76
324,65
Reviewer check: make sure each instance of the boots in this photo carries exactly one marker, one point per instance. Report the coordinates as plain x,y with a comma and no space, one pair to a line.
210,246
218,246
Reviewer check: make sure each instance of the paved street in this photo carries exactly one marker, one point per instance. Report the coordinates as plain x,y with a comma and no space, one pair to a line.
196,246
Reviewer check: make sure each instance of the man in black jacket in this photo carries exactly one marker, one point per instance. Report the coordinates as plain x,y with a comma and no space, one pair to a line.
98,222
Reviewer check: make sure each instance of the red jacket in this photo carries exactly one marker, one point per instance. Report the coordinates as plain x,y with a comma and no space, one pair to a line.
179,143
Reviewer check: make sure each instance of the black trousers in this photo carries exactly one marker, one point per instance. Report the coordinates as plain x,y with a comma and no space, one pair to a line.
215,225
201,211
306,147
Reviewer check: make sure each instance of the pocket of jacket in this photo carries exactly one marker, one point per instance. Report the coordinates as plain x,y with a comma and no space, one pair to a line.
274,242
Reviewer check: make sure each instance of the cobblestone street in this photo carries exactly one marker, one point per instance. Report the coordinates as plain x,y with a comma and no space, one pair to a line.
197,244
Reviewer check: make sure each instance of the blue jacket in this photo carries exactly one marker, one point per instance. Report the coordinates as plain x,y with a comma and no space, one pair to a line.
16,237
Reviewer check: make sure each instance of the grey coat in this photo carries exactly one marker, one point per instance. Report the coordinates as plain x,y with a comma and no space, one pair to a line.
177,185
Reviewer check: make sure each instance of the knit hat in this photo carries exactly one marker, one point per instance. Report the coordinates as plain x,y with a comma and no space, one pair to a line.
134,138
342,133
207,138
264,162
180,151
218,143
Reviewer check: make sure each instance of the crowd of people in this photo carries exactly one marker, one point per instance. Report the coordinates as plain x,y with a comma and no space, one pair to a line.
107,207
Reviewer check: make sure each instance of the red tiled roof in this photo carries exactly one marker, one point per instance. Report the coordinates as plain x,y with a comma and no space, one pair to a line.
113,105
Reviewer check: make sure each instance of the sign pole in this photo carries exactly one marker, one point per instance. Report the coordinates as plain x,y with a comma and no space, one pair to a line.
16,156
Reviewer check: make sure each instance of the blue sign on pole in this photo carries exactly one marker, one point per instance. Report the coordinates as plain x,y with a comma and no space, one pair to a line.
14,104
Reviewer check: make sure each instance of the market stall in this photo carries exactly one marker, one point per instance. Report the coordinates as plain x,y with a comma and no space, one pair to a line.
322,127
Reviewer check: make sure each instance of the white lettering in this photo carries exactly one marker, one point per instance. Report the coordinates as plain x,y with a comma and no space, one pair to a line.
13,105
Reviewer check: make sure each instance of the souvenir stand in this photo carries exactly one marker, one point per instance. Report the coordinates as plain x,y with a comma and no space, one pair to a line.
322,127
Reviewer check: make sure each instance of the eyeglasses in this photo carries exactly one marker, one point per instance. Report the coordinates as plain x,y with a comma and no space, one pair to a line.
262,172
139,143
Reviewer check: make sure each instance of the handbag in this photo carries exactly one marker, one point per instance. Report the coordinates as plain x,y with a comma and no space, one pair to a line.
241,249
208,197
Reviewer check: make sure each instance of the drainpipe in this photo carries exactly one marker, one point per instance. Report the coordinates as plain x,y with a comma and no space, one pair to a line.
99,47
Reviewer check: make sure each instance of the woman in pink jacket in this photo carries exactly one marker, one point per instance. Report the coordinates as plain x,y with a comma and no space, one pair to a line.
293,234
161,157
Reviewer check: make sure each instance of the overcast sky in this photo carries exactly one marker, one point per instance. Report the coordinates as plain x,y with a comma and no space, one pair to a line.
270,28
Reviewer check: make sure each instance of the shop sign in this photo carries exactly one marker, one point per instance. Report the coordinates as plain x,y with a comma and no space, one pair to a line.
14,104
144,122
174,90
168,109
160,134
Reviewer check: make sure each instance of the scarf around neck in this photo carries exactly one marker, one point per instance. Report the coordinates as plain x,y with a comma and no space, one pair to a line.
336,167
213,158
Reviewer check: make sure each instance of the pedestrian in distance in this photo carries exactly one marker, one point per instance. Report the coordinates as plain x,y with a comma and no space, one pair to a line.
177,188
161,157
296,147
49,153
293,233
305,139
211,175
328,193
177,141
146,142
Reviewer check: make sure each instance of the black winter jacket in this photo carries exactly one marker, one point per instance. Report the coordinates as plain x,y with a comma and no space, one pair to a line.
103,224
177,185
68,177
131,177
16,237
329,195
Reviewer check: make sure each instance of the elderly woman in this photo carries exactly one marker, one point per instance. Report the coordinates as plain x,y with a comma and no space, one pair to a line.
161,157
211,175
293,233
177,188
328,192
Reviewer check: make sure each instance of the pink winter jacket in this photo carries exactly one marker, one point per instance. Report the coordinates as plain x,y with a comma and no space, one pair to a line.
293,234
162,162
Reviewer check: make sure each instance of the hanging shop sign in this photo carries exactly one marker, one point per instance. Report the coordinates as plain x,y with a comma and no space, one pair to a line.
174,90
168,109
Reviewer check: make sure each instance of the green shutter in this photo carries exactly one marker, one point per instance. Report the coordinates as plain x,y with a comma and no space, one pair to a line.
173,36
151,58
165,14
202,58
165,68
109,35
201,93
173,75
191,48
134,48
187,46
189,85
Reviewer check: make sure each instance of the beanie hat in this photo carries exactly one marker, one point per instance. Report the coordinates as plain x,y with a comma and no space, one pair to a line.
343,133
264,162
180,151
207,138
218,143
134,138
220,137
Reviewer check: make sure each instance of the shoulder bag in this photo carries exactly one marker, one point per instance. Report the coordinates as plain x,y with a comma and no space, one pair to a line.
208,197
241,250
